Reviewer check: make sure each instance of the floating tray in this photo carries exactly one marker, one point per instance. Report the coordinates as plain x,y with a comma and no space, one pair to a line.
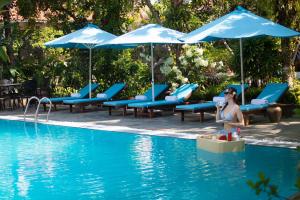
219,146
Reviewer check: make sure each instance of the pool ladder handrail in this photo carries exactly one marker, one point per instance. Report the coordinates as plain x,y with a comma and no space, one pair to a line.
38,107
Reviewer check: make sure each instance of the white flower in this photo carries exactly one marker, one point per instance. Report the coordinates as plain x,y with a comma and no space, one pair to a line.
165,70
177,71
189,53
181,58
185,46
184,62
185,80
204,63
174,85
169,61
213,65
198,61
147,58
221,63
199,51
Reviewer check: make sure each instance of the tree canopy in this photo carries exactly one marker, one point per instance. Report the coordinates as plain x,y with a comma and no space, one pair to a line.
266,59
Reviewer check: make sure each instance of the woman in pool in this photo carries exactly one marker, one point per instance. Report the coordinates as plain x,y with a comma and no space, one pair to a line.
230,112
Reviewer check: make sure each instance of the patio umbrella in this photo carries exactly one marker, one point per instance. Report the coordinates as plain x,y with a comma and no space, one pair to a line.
238,24
85,38
149,34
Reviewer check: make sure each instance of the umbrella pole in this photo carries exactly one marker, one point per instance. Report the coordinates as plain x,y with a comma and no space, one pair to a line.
90,73
152,71
242,72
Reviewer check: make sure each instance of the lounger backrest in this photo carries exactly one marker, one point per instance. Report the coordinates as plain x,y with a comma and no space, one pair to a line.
115,89
237,87
158,89
84,92
273,91
184,91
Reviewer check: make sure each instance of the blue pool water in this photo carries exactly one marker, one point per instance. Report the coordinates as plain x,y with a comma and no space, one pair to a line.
55,162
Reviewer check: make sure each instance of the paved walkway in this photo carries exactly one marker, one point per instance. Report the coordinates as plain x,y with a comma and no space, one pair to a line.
260,132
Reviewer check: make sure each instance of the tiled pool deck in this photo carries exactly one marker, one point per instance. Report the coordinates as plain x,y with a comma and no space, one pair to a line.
260,132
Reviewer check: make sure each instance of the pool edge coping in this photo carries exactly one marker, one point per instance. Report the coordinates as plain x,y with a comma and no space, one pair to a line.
248,141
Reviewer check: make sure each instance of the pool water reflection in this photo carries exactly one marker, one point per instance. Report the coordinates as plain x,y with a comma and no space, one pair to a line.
55,162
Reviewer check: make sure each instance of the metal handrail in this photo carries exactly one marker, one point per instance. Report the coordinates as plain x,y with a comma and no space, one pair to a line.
33,97
38,107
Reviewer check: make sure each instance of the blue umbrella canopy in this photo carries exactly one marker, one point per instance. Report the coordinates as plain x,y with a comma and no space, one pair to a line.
85,38
239,24
149,34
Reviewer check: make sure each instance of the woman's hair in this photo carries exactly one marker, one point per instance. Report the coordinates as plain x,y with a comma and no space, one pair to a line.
231,90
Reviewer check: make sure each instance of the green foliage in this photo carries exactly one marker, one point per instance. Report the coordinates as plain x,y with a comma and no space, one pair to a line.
261,59
32,59
4,3
294,93
64,68
252,92
125,68
177,16
63,91
208,92
297,112
3,54
194,66
263,185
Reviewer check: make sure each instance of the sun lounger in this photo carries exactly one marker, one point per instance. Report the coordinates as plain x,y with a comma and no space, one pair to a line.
158,89
83,93
266,99
205,106
177,97
105,96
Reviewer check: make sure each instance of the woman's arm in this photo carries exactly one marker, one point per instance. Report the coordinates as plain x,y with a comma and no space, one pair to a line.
218,117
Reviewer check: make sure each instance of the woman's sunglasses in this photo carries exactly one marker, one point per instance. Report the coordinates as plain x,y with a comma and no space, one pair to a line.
227,92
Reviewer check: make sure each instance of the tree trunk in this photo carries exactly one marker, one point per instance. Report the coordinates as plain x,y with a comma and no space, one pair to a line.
286,16
154,12
288,67
7,33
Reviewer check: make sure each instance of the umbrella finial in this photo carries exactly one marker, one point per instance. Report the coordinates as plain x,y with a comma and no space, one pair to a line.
92,25
241,9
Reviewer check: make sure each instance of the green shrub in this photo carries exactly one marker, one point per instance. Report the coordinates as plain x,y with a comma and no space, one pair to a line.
261,59
125,68
207,93
63,91
293,95
297,113
252,93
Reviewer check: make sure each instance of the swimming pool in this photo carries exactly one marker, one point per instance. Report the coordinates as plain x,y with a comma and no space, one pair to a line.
56,162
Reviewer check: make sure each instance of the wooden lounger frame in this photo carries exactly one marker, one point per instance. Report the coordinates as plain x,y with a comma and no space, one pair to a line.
150,111
125,107
96,103
201,111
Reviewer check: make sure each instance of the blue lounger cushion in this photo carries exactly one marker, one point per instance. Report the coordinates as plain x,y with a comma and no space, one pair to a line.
181,93
110,92
252,107
154,104
272,93
198,106
84,92
209,104
158,89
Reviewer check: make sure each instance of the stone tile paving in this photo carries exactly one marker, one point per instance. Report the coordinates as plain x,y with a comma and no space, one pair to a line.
259,132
